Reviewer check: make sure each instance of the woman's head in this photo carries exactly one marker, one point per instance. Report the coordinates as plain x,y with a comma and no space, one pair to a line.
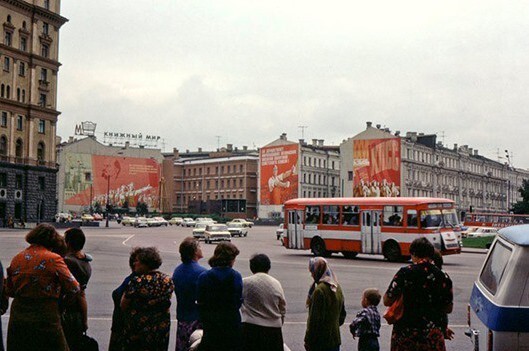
190,250
421,248
224,255
46,235
146,259
75,239
318,267
260,263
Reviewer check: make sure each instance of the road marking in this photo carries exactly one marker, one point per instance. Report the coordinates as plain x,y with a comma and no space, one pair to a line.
130,237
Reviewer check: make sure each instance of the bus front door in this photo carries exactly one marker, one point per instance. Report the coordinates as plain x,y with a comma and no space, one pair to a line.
294,232
370,232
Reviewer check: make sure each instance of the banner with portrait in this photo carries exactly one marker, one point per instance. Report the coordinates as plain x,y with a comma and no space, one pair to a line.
279,174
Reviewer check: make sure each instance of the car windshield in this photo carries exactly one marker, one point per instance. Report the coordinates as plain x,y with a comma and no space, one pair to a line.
201,225
217,228
236,225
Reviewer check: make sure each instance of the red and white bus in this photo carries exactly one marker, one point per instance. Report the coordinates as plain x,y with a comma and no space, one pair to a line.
384,225
499,220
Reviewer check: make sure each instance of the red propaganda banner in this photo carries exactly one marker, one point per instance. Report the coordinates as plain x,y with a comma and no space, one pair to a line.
279,174
129,181
376,167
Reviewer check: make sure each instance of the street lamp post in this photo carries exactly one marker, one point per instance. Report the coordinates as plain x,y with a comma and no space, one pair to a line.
108,197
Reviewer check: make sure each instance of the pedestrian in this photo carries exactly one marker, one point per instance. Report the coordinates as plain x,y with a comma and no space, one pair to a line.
75,315
326,308
185,277
2,310
366,325
37,278
146,304
118,323
427,297
219,298
263,308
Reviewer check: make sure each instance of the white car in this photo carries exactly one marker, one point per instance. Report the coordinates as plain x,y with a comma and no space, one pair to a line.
481,232
238,229
216,232
188,222
280,231
125,221
156,222
198,231
242,221
63,217
175,221
141,222
205,220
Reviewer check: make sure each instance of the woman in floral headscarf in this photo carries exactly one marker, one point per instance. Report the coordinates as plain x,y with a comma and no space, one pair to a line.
326,308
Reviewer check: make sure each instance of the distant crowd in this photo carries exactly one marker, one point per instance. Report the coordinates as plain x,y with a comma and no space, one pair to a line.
217,310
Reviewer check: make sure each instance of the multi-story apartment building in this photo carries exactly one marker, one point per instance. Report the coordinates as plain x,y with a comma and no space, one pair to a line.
222,181
28,108
296,169
418,165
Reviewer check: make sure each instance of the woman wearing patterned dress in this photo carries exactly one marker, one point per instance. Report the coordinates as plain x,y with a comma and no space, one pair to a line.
146,304
428,296
37,279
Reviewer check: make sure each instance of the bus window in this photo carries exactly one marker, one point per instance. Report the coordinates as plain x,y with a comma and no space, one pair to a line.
350,215
431,218
331,214
412,218
312,215
393,216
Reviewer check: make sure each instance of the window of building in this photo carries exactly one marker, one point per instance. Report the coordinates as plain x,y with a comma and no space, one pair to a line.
241,168
23,43
88,177
41,150
45,28
24,24
2,90
42,183
3,145
350,175
19,122
7,64
44,74
8,18
229,168
241,183
19,148
8,36
3,120
331,215
47,4
393,216
18,181
8,91
3,180
332,164
45,50
18,210
18,94
42,100
319,163
23,95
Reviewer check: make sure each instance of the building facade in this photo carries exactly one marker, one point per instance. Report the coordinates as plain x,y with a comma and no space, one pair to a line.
28,108
289,170
90,172
421,166
221,182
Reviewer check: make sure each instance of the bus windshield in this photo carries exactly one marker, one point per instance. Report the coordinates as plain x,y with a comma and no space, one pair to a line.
439,218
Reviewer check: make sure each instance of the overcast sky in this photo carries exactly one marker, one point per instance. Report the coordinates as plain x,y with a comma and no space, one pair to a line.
249,70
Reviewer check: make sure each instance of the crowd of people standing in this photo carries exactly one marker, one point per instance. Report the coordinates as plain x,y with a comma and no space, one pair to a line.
216,308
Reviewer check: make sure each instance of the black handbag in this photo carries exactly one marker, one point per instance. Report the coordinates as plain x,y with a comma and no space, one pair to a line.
87,343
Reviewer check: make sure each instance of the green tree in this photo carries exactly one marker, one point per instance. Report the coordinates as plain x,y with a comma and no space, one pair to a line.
97,207
141,208
522,207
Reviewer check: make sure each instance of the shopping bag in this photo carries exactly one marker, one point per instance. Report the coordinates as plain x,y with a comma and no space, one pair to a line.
395,311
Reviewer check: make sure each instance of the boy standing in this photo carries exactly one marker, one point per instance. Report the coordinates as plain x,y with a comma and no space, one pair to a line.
366,325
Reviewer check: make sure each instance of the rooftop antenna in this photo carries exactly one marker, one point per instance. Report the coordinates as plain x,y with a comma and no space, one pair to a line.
218,141
303,131
443,136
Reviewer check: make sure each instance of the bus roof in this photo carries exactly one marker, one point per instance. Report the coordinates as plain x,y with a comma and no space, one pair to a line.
516,234
368,201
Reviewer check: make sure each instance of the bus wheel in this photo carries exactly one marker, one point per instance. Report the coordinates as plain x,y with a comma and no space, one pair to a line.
392,251
318,247
349,254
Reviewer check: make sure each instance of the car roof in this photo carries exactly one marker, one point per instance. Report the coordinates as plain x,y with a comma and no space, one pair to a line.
517,234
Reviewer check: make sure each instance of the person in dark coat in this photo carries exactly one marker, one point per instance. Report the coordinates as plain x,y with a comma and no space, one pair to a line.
2,299
219,298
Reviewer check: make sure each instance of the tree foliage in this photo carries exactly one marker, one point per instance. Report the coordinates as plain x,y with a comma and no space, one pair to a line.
142,209
522,207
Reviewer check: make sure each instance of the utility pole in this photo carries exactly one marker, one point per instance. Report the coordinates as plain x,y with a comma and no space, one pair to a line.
303,131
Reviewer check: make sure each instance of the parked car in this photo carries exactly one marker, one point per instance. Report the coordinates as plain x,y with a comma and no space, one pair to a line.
198,231
188,222
466,230
175,221
280,231
141,222
216,232
241,220
97,217
162,221
204,220
499,302
63,217
125,221
482,232
87,217
238,229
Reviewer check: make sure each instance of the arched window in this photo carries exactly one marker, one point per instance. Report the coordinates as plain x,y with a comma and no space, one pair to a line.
2,90
18,94
41,151
19,149
8,92
3,145
24,24
8,18
23,95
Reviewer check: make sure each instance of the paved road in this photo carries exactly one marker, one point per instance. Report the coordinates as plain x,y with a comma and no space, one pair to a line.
110,248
